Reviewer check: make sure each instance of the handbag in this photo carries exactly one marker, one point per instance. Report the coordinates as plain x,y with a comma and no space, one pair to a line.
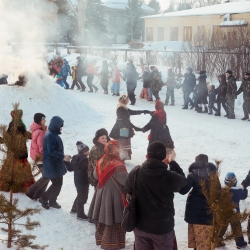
129,213
124,132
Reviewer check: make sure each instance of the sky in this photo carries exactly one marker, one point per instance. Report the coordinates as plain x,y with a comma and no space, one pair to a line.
164,3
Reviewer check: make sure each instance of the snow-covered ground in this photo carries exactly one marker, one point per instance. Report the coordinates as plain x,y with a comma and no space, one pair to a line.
84,113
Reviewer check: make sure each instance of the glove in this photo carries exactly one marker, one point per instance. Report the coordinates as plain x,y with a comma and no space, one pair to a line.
137,129
67,158
146,112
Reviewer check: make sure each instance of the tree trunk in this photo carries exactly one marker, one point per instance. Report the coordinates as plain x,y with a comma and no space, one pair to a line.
10,221
213,246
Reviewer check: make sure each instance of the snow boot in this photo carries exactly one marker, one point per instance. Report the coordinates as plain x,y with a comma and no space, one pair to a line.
54,204
172,104
231,117
192,106
226,115
210,112
118,94
114,94
45,204
185,107
82,217
150,99
31,197
244,118
217,114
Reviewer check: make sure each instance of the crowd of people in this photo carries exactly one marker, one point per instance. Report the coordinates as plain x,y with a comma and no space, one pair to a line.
103,167
203,99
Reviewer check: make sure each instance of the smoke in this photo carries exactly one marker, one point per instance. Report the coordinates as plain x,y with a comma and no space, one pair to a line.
25,28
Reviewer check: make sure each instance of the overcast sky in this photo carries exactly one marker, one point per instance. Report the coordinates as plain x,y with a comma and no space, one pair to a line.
164,3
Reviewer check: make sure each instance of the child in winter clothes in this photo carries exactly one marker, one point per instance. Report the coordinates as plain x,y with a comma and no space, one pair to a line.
238,193
59,79
116,78
79,164
38,129
211,98
74,83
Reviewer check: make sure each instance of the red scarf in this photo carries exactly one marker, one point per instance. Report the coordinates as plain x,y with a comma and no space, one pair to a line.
160,112
109,163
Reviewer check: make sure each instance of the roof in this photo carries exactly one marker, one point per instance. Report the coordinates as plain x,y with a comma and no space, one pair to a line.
118,5
218,9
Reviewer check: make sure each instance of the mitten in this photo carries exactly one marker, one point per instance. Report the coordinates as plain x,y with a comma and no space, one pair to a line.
67,158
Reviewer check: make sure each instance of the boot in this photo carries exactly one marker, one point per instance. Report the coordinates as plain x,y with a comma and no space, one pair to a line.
231,117
205,111
244,118
54,204
192,106
45,204
210,112
217,114
226,115
118,94
82,217
150,99
172,104
185,107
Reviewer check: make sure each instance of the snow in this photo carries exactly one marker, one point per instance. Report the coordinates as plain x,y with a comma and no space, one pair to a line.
218,9
83,113
233,23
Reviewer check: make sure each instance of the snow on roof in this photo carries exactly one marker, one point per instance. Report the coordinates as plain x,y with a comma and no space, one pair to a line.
218,9
233,23
122,4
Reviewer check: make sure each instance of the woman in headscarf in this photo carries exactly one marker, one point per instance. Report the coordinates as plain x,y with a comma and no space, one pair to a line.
146,79
158,125
107,208
123,129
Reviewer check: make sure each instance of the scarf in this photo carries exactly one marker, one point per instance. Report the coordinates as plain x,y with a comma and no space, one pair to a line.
19,114
109,163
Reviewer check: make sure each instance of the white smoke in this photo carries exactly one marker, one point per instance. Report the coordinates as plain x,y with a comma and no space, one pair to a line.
25,28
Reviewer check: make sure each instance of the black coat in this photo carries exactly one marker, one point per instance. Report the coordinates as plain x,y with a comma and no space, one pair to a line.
155,187
202,90
79,164
21,130
196,206
189,82
212,96
123,121
221,91
80,70
146,78
159,132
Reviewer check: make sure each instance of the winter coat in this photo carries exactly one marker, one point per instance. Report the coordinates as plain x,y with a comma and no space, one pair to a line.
202,90
155,187
238,194
231,87
74,73
104,77
245,88
212,96
159,132
116,76
107,205
20,130
91,70
131,76
156,83
95,154
189,83
36,146
123,121
196,206
80,70
221,91
146,78
65,70
79,164
171,81
53,152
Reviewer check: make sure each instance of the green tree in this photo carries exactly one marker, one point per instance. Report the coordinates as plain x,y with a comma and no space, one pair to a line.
13,175
95,23
155,5
134,12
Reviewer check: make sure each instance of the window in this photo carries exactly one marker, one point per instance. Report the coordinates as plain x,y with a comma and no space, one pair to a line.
187,33
160,34
174,33
149,34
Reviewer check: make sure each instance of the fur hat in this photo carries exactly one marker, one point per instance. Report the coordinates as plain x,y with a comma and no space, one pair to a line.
202,72
189,69
247,73
122,99
38,117
99,133
81,147
201,158
156,150
229,72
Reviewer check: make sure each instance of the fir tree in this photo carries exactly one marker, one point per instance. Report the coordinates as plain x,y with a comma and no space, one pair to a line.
155,5
95,24
12,176
134,13
170,7
223,209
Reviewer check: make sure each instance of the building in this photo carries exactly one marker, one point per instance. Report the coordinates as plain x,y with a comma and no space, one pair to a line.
116,19
181,26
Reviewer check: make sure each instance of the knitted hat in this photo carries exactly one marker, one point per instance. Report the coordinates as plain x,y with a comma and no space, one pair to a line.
156,150
202,72
159,105
189,69
38,117
99,133
201,158
230,179
122,99
247,73
229,72
81,147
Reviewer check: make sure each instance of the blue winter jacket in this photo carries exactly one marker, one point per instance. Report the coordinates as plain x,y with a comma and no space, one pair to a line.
238,194
65,70
53,153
